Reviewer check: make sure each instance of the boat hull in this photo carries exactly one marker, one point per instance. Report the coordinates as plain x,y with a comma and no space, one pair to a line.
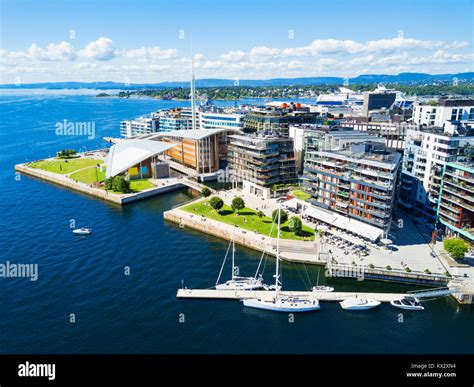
285,307
82,232
407,307
241,284
359,304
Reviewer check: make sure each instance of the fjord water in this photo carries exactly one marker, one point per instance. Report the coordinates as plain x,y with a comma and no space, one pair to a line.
115,313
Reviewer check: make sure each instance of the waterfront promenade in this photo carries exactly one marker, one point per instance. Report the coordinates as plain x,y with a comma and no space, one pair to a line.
160,186
290,250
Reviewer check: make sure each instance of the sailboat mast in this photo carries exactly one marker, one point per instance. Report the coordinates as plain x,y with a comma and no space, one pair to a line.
233,255
193,91
277,253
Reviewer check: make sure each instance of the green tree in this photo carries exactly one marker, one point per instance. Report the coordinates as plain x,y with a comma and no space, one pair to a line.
283,216
295,225
206,192
260,214
456,247
121,185
109,184
217,203
238,204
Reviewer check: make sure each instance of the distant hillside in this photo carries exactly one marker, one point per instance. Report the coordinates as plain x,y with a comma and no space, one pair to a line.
402,78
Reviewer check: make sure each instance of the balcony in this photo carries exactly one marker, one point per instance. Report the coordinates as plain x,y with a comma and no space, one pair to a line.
459,202
469,179
460,193
448,215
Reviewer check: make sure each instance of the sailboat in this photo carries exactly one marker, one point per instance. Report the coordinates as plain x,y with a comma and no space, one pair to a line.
237,282
321,288
281,303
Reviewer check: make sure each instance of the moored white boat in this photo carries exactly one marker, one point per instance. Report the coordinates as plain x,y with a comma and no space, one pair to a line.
236,282
241,283
358,303
82,231
281,303
407,303
284,304
322,289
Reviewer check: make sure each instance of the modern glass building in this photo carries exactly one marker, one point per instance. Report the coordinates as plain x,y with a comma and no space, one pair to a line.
455,211
359,182
262,161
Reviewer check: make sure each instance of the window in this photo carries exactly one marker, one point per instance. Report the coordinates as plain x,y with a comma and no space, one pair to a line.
454,113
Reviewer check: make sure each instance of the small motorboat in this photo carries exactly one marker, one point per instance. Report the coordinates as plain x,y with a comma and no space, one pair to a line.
408,303
322,289
357,303
82,231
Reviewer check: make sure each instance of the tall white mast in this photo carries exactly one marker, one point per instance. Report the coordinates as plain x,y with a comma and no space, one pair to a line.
193,91
233,254
277,282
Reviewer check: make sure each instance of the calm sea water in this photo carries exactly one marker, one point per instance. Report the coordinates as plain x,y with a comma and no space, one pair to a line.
139,313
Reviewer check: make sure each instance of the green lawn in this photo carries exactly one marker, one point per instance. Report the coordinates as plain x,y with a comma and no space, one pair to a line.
248,220
140,185
64,167
300,194
89,175
137,186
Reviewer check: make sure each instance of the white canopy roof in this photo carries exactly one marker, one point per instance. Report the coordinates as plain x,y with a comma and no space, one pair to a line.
344,223
126,154
196,134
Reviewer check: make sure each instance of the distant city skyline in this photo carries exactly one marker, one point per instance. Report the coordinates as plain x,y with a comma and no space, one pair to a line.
150,42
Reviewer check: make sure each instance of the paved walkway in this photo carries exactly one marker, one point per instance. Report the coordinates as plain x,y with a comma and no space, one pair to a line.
409,250
291,250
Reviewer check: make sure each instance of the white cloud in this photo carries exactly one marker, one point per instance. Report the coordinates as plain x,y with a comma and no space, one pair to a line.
99,60
54,52
149,53
264,51
101,49
232,56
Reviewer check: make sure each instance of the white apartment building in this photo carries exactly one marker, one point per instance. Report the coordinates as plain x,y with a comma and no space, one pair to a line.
221,120
437,113
138,126
427,151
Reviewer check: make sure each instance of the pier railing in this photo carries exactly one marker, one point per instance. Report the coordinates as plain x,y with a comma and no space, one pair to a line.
355,271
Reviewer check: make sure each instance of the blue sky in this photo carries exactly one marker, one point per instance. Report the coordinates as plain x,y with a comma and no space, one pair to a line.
140,41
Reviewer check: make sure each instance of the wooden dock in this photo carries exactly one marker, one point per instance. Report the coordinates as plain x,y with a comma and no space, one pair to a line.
268,295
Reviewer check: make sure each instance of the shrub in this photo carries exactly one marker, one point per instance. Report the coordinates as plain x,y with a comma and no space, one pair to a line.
206,192
388,267
260,214
216,202
456,247
66,153
371,265
121,185
109,184
446,273
427,271
295,224
407,269
238,204
283,216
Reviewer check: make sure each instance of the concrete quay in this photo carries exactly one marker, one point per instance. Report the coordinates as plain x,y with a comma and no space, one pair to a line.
161,186
290,250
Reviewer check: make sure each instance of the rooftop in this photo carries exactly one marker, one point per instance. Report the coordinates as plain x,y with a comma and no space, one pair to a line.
197,134
128,153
